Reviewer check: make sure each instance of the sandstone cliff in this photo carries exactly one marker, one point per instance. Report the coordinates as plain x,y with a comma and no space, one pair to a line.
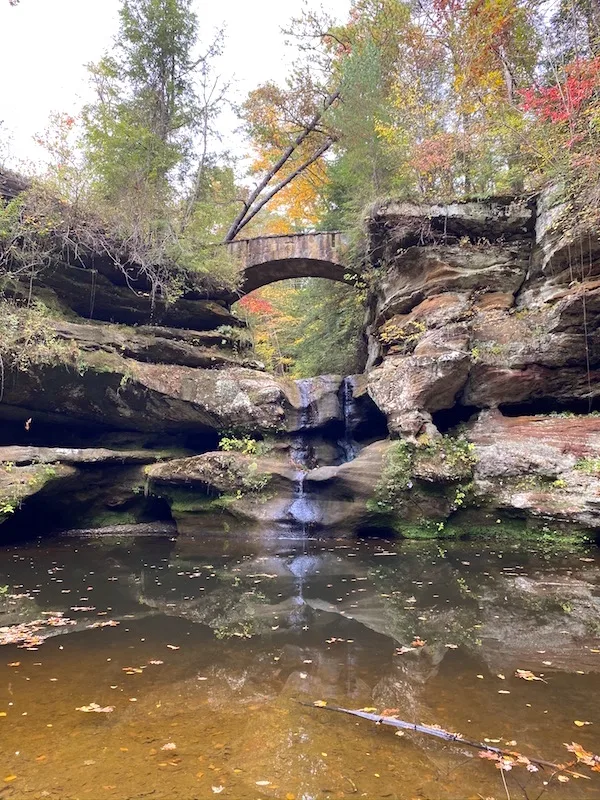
478,401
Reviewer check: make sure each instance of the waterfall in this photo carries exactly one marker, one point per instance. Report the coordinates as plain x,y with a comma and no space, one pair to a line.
303,509
347,444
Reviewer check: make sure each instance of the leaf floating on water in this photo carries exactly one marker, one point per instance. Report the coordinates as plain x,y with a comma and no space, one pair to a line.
369,710
169,746
401,650
94,707
589,759
156,662
451,646
173,647
580,723
527,675
503,691
217,789
263,783
418,642
489,754
563,779
10,778
14,664
320,703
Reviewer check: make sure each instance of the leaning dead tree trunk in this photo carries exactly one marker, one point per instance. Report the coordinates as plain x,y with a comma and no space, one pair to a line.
259,197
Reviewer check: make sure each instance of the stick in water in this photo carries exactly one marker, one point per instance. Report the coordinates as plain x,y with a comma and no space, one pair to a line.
429,730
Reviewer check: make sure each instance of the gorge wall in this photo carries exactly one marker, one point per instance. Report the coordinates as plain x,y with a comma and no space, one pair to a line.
477,404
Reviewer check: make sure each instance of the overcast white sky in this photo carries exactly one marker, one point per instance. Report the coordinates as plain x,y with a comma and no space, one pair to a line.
46,44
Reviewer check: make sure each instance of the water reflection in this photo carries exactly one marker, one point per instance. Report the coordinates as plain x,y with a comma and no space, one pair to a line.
218,638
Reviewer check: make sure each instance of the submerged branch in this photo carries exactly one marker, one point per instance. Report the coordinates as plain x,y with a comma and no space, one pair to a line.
440,733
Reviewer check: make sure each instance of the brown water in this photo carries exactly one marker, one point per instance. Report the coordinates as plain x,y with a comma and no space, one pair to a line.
260,626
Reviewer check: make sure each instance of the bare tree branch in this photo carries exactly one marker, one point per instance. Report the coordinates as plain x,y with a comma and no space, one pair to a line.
254,203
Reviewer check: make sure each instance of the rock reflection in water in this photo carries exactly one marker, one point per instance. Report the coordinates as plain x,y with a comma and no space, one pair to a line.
218,638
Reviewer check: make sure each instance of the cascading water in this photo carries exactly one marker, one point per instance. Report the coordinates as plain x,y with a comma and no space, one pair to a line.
347,444
303,509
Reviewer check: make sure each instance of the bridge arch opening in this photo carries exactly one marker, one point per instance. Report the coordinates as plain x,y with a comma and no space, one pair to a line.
307,325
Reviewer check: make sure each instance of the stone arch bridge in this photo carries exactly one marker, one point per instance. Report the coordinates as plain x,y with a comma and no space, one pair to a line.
267,259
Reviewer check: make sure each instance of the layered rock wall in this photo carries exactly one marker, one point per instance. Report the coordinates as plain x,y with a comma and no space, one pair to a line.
478,402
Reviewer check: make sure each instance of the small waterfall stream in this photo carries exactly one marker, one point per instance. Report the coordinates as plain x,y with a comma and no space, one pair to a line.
347,444
304,512
303,509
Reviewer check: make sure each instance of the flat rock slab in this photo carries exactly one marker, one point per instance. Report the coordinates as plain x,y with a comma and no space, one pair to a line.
21,455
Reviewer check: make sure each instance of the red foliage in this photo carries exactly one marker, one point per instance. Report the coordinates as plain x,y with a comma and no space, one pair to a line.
561,102
451,6
255,304
435,153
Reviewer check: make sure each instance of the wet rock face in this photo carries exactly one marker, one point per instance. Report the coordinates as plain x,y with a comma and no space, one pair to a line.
479,305
540,466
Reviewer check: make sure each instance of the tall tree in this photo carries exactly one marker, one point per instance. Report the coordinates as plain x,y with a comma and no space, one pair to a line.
156,96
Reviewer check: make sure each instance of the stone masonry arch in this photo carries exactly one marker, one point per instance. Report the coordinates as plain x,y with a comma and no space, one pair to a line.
267,259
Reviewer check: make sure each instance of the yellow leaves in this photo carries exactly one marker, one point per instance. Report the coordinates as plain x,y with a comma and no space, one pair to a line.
320,703
368,710
580,723
10,778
